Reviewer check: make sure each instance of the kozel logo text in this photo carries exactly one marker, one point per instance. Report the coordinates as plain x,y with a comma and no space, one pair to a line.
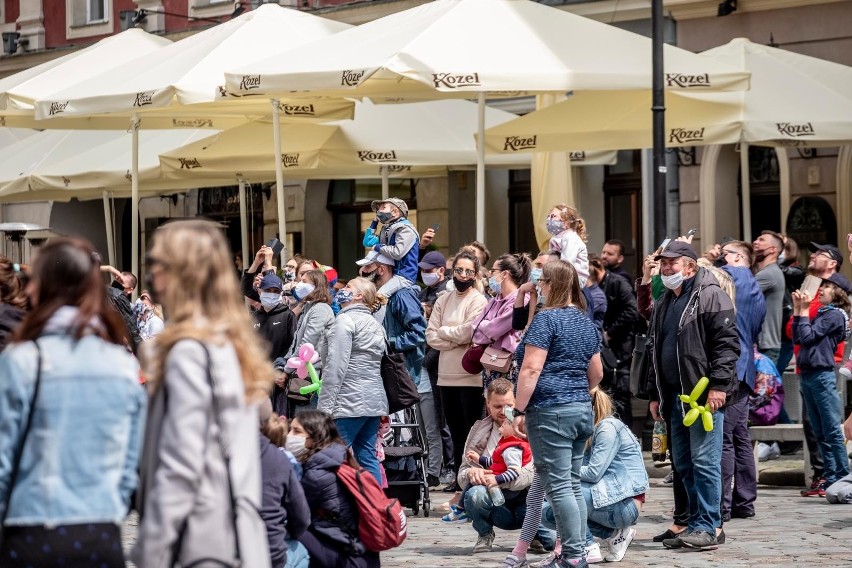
350,78
143,99
796,130
377,157
290,160
250,82
687,81
297,110
516,143
56,108
682,135
451,81
189,163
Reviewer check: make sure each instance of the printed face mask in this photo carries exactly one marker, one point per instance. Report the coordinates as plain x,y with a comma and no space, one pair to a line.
555,226
344,296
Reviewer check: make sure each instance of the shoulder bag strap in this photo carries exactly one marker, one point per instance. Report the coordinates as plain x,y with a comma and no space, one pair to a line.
480,322
225,446
19,451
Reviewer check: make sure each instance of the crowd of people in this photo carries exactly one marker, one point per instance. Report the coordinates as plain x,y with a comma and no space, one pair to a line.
523,368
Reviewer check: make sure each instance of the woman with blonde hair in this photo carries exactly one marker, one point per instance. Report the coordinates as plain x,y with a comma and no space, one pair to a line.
200,468
353,392
569,238
560,361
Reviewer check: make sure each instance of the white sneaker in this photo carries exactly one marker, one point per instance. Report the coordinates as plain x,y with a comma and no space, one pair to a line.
593,553
618,544
763,451
774,452
484,543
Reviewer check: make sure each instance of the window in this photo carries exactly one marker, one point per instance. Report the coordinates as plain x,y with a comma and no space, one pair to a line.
96,11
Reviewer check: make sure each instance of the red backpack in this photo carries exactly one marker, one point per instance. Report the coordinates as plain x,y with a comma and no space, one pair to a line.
382,524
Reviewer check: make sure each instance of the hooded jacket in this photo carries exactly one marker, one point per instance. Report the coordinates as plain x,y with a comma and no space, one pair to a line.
277,327
707,341
406,328
334,515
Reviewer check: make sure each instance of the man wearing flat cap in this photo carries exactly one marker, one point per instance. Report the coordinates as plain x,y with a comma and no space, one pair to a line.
694,335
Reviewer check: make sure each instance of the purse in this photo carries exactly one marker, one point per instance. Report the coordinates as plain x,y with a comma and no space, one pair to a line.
496,359
640,367
19,451
472,359
399,388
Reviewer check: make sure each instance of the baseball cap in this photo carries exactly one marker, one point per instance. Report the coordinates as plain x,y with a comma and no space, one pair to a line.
677,249
432,259
271,281
831,250
400,204
840,281
373,257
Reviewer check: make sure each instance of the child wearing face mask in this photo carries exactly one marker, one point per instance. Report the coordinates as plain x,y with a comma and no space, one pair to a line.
283,508
569,238
398,240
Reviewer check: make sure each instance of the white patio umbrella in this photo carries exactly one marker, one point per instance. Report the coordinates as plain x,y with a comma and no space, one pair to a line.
60,165
183,80
458,48
794,100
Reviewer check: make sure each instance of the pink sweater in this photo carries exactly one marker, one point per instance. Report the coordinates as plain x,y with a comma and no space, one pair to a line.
495,324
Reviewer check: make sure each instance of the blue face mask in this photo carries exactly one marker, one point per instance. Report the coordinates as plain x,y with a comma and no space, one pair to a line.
494,285
344,296
555,226
535,274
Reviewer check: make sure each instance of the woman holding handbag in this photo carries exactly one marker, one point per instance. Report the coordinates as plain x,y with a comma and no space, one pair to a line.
494,328
72,414
449,331
315,318
352,391
200,484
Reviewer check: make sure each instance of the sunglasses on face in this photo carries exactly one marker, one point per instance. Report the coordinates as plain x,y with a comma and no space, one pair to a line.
464,272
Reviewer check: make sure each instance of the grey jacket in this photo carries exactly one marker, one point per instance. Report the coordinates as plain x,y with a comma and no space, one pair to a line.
313,326
351,381
183,484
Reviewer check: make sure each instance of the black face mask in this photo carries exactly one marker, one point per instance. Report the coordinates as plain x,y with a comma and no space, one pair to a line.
720,262
371,276
462,285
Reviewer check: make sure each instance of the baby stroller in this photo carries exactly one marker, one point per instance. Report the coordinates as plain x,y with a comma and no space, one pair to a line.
405,461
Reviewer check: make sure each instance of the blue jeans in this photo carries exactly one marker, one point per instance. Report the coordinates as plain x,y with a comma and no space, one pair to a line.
360,435
698,455
558,437
602,522
819,391
297,554
484,515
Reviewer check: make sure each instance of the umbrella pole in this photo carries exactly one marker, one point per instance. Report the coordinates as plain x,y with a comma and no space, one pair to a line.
243,222
480,170
134,195
385,182
108,223
279,177
745,191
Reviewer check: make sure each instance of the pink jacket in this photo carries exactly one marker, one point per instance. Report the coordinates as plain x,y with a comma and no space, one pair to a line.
495,324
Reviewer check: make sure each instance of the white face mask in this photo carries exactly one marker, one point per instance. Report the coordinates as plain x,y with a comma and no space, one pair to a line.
430,278
674,281
270,299
295,445
781,258
302,289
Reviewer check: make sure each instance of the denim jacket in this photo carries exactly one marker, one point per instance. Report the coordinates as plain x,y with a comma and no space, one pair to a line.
613,466
80,456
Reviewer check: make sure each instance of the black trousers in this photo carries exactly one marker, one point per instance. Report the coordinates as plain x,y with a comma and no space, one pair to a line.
90,545
463,406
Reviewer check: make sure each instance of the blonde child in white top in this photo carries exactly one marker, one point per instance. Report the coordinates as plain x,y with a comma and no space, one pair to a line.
569,238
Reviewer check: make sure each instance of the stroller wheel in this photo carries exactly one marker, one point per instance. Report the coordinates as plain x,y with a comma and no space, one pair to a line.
415,508
426,508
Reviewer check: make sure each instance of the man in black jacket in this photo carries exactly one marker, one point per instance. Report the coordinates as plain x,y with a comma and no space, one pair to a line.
693,329
119,292
619,324
274,320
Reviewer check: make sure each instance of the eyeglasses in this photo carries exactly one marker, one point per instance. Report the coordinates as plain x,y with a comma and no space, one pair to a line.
464,272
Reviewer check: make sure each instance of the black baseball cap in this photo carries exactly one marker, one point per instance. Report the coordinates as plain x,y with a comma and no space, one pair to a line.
840,281
676,249
831,250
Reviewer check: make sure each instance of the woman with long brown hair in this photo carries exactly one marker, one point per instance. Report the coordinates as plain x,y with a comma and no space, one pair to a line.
72,413
200,475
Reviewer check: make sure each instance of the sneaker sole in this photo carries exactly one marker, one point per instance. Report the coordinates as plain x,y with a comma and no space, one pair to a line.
710,547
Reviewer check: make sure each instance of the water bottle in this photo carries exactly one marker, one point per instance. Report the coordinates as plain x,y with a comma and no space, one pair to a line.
496,495
659,443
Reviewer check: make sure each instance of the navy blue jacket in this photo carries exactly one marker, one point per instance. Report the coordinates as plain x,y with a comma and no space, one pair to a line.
334,515
406,328
818,339
283,506
751,311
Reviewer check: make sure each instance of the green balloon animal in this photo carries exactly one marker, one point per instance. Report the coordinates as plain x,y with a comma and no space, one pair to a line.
695,409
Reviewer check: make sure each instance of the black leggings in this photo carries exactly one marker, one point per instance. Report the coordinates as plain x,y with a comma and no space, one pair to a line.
82,546
463,406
